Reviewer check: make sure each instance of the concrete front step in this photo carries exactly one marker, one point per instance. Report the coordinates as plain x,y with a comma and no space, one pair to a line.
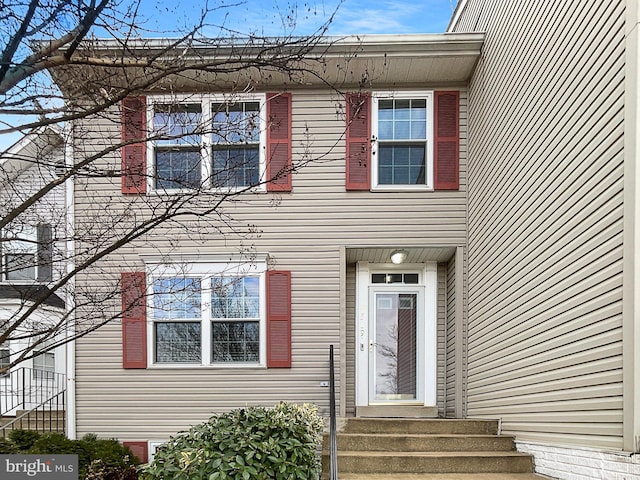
440,476
48,420
423,442
431,462
421,426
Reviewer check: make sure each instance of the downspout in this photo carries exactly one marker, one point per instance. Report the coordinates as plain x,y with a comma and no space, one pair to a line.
70,346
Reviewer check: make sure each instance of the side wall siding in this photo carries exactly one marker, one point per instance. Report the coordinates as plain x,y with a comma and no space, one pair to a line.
545,220
450,370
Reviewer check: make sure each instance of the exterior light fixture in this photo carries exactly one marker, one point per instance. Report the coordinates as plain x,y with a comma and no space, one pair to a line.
398,256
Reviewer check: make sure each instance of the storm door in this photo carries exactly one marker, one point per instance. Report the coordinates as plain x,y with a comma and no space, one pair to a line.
396,345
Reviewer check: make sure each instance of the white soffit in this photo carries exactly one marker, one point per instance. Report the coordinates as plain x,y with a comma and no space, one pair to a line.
365,61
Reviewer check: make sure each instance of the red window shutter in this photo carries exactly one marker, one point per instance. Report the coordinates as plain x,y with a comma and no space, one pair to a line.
279,142
358,141
278,319
139,449
134,161
446,141
134,320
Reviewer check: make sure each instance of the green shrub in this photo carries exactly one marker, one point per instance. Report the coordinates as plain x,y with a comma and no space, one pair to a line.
23,439
98,459
54,442
251,443
7,447
98,470
107,456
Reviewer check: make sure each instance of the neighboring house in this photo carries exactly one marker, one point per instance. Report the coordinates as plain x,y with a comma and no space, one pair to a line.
553,191
30,258
233,319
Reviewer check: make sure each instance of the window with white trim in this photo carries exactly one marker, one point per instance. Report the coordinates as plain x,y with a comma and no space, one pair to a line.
178,155
27,253
212,315
19,253
214,142
44,366
402,147
5,358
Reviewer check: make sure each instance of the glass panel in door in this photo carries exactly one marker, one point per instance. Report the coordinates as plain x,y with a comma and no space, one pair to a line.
395,347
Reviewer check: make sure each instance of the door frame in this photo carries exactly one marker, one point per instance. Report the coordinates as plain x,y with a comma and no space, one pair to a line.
428,282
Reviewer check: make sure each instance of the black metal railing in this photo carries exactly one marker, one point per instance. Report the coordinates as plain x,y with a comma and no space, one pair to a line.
49,416
333,441
32,399
25,388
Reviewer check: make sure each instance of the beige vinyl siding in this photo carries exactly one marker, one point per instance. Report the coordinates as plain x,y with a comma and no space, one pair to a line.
351,341
37,172
471,18
303,231
442,339
450,371
545,220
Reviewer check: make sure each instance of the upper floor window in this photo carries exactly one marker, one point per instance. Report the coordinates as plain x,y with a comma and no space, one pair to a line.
236,144
26,253
178,155
402,146
216,142
403,141
44,366
5,358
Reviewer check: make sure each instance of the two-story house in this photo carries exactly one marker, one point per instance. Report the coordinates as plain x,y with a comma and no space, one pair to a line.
31,251
353,233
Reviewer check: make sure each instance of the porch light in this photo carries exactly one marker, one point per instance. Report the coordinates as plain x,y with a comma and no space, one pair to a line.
398,256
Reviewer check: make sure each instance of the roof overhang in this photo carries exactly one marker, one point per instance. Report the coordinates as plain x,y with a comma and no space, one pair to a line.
415,254
355,61
29,151
432,59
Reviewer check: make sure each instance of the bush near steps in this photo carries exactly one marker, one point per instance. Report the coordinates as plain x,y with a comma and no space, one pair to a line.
253,443
98,459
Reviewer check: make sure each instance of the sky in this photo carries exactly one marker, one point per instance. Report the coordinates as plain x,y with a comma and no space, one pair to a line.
273,17
159,18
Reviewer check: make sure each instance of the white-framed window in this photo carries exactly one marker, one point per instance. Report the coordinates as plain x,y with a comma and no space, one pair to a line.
402,146
406,278
5,358
153,447
44,366
19,252
207,314
213,141
178,153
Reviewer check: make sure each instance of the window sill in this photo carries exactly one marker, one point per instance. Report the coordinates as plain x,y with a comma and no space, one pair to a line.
402,188
216,366
24,283
185,191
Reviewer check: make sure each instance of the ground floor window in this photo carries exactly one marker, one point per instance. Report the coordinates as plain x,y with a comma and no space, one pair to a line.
44,366
208,318
5,357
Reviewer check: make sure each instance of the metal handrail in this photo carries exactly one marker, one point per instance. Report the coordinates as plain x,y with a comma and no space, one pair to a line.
20,389
54,404
333,442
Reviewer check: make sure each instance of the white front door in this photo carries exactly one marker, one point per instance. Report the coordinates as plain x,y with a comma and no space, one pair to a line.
396,335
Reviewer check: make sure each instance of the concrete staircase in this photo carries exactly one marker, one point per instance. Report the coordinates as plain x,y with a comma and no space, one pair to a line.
425,449
37,420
